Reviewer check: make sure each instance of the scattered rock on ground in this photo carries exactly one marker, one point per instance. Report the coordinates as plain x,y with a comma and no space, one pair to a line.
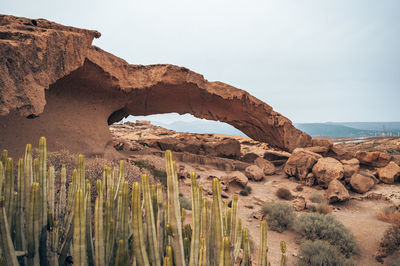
235,177
327,169
389,173
267,167
300,163
350,167
254,172
361,183
337,192
375,158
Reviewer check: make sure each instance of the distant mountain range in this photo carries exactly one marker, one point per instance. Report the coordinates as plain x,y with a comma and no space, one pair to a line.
332,129
351,129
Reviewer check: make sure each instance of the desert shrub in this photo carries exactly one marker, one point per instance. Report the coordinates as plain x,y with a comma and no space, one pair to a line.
185,203
317,197
390,241
318,252
279,215
390,215
323,208
283,193
395,261
246,191
299,188
315,226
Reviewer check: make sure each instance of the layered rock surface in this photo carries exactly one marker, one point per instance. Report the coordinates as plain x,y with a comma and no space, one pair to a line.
77,90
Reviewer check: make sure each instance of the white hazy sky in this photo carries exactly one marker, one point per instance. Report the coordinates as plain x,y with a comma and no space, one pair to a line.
311,60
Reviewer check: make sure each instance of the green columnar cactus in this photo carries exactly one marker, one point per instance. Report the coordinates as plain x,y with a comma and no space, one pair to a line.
216,223
174,214
63,194
151,229
169,255
203,261
262,254
33,226
9,190
238,242
6,244
4,156
20,242
121,258
81,173
196,220
284,256
79,251
160,221
234,218
50,197
225,258
36,170
1,178
53,258
88,223
28,173
138,238
98,226
246,248
43,182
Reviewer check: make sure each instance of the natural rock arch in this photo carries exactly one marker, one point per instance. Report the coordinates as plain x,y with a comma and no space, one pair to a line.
88,89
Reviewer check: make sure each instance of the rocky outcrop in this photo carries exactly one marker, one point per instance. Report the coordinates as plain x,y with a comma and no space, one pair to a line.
88,88
267,167
374,158
337,192
235,177
389,173
326,170
300,163
361,183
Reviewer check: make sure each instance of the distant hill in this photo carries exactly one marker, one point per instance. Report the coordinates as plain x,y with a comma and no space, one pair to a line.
350,129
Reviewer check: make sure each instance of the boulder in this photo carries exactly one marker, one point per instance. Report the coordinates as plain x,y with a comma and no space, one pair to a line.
374,158
300,163
326,170
276,157
337,192
226,148
321,146
249,157
350,167
267,167
235,177
254,172
309,180
389,173
361,183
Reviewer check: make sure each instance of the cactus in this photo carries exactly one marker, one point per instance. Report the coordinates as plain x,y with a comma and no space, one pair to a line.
4,156
88,223
98,226
151,230
9,190
33,226
20,242
196,220
246,261
6,244
139,246
284,256
79,251
174,214
216,223
225,256
262,254
238,242
63,194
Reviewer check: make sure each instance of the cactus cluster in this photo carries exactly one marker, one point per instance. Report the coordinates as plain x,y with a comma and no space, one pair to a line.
39,226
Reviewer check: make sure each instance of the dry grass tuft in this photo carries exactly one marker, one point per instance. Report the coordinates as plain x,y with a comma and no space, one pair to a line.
390,215
283,193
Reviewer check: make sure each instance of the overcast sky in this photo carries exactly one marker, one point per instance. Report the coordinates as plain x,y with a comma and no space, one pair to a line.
312,60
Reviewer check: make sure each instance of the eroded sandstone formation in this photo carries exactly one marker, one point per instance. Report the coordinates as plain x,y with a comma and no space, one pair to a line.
54,82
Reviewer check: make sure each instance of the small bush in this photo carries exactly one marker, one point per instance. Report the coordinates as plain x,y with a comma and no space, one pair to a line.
390,241
279,215
317,253
317,197
314,226
246,191
283,193
158,174
185,203
390,215
323,208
